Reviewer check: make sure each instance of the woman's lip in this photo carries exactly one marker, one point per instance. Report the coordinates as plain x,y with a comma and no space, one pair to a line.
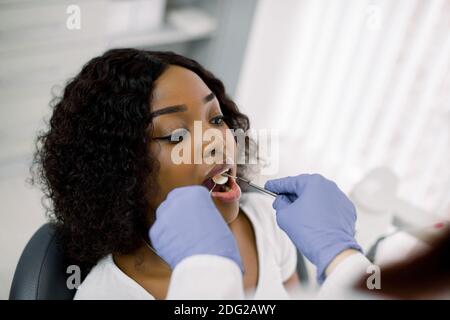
229,196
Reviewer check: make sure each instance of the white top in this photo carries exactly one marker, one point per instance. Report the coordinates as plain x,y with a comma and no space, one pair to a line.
277,260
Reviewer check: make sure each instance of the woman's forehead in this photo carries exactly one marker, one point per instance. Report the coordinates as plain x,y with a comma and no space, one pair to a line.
178,85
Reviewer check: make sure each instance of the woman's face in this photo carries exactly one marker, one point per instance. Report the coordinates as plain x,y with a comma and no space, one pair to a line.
193,101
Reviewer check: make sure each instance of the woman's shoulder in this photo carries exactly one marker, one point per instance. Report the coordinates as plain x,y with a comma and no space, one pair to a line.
259,207
106,281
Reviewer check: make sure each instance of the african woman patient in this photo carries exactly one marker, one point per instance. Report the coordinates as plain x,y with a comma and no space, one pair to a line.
106,163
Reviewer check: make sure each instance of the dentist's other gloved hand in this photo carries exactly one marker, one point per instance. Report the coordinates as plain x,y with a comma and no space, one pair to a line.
188,223
316,215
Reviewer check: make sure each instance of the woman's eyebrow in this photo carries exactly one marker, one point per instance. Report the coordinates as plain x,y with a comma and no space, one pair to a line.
209,97
179,107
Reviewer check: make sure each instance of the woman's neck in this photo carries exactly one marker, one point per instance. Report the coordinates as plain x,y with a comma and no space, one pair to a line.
143,262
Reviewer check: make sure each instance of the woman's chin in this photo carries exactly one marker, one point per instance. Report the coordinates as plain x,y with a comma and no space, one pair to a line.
229,211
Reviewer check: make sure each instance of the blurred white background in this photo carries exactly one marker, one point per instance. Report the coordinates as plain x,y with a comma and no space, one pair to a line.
351,85
354,85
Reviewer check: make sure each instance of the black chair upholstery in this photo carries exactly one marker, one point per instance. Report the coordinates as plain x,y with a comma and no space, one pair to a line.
41,271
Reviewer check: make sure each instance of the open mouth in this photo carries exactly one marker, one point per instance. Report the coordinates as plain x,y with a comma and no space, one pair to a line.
222,187
219,182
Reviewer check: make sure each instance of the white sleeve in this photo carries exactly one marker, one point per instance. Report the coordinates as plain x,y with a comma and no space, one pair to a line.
206,277
338,285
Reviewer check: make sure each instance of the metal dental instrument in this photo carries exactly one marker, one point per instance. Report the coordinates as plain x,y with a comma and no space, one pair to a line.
252,185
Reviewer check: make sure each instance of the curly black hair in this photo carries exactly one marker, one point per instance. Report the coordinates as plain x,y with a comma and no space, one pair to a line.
93,161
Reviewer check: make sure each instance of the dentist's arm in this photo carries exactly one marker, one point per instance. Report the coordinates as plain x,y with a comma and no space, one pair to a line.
319,219
193,238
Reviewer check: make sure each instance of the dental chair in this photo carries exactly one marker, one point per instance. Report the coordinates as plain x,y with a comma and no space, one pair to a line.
41,271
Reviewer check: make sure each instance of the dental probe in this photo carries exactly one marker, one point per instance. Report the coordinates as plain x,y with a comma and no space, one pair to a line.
252,185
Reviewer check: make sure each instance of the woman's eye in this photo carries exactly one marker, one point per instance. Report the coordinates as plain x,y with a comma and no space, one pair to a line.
218,120
176,136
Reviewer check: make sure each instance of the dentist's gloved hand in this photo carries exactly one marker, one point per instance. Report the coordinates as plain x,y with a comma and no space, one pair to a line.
316,215
188,223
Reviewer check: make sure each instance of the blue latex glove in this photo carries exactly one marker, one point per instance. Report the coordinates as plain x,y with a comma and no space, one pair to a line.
317,217
188,223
